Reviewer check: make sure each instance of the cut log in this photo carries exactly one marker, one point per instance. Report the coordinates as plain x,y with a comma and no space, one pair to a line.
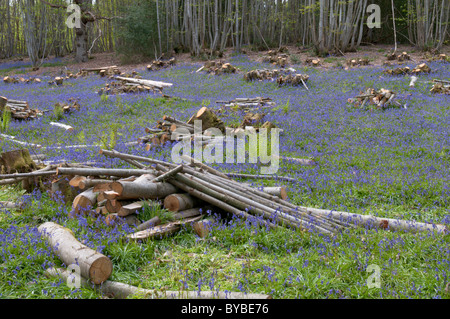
203,227
84,201
178,202
114,205
156,84
131,208
93,266
143,188
209,119
120,290
62,189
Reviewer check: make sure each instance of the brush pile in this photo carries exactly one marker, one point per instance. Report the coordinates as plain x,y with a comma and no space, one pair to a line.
371,98
103,71
160,64
19,110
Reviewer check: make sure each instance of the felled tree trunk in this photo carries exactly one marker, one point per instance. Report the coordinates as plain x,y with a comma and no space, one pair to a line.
178,202
93,265
143,188
84,201
209,119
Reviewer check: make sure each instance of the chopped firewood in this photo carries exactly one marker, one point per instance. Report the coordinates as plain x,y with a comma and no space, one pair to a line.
208,119
160,64
93,265
276,58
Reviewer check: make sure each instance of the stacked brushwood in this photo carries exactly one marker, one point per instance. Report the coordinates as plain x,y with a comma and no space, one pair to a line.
161,64
11,79
358,62
19,110
124,85
440,87
218,68
257,206
370,98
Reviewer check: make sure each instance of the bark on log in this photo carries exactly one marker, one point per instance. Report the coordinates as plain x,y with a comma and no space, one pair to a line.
203,227
120,290
63,126
209,119
143,188
114,205
130,220
93,265
158,84
102,171
131,208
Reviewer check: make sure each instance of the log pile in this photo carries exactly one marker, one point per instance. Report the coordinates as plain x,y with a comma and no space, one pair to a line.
19,110
11,79
220,191
132,85
436,57
313,62
102,71
260,75
372,98
276,57
161,64
218,68
440,87
404,56
421,68
398,71
57,81
293,80
246,104
282,77
358,62
69,107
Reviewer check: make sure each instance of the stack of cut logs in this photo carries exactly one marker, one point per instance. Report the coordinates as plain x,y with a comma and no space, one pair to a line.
358,62
382,98
11,79
19,109
57,81
421,68
132,85
218,67
440,87
165,129
277,58
281,76
313,62
398,71
103,71
404,56
70,107
185,188
160,64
